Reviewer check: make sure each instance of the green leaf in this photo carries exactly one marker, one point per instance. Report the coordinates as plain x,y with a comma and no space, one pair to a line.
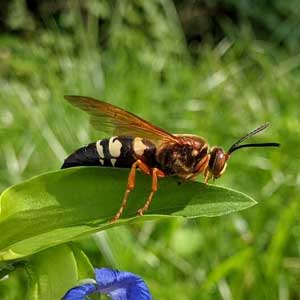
54,271
60,206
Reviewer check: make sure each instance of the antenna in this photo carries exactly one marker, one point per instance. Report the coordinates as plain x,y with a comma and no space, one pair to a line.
237,145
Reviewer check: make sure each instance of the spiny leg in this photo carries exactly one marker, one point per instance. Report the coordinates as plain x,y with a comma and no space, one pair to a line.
130,186
155,173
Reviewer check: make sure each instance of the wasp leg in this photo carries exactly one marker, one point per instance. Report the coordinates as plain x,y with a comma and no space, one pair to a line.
207,176
155,173
130,186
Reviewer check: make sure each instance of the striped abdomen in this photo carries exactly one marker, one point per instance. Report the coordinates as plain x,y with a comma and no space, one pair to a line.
116,151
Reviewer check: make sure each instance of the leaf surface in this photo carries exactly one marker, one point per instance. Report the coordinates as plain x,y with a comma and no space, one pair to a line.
56,207
54,271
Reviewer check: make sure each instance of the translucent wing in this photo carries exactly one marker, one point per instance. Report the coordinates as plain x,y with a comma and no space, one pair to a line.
112,119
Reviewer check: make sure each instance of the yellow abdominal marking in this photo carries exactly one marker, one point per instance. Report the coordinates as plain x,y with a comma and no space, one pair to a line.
100,149
114,147
138,146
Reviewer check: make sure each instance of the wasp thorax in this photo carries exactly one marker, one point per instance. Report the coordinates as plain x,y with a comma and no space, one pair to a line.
217,163
183,159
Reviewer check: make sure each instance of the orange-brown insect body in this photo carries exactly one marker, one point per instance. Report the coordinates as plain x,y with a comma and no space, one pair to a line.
186,159
139,144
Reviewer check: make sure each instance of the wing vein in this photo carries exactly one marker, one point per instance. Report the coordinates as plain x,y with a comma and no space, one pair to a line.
112,119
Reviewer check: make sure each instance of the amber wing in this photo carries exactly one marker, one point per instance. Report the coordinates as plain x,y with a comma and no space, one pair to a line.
112,119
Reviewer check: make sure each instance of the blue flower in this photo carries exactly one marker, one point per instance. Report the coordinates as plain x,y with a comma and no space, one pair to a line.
116,284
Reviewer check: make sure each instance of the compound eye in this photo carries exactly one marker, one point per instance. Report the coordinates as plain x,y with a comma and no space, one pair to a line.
220,164
217,163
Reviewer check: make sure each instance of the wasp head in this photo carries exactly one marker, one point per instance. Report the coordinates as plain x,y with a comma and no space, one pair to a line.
217,163
218,157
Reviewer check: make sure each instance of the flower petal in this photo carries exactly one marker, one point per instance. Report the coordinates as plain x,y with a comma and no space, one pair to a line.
80,292
121,285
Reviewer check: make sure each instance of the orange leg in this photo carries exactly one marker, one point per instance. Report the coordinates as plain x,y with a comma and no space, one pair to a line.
130,186
155,173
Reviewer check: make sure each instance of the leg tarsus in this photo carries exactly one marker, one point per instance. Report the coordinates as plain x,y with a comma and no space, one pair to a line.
155,173
123,205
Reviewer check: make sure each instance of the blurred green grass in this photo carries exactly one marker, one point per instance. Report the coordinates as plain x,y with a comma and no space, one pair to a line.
221,94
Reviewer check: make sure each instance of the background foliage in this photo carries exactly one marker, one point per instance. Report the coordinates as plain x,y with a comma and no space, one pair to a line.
213,68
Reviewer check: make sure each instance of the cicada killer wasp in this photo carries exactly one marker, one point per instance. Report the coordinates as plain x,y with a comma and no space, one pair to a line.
137,143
